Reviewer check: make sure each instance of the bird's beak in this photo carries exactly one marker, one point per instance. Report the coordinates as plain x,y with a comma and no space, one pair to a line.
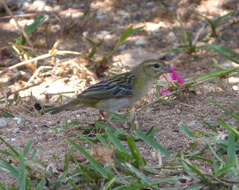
167,69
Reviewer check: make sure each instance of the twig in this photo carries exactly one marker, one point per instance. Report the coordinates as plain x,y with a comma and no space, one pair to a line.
36,73
59,93
200,31
19,16
4,47
44,56
25,88
17,24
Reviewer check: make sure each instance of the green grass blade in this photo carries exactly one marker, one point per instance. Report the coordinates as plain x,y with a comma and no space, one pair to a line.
132,186
233,115
102,124
5,152
27,148
102,140
92,43
197,186
109,185
223,51
215,154
212,127
139,174
66,161
30,28
150,141
94,163
122,157
187,130
231,150
218,73
198,172
223,170
119,117
15,152
185,166
151,132
127,33
202,158
228,127
83,138
113,139
34,152
185,33
2,187
22,178
140,162
5,166
41,185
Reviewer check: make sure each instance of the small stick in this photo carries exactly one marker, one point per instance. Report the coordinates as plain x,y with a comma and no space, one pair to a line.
44,56
59,93
17,24
20,16
36,73
25,88
200,31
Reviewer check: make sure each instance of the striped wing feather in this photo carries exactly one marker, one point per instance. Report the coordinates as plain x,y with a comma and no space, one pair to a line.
115,87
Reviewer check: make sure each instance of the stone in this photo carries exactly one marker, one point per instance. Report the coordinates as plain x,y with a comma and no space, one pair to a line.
141,42
18,120
191,124
3,122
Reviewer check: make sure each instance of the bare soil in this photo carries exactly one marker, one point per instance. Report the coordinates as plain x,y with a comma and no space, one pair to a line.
110,19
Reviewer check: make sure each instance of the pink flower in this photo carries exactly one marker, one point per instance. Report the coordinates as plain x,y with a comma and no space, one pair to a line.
164,90
176,76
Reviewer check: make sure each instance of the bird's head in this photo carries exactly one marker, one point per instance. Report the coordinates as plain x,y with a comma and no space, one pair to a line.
154,68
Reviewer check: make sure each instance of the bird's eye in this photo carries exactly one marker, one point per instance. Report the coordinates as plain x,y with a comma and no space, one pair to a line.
156,65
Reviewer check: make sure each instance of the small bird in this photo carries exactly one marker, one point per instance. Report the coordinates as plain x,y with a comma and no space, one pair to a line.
118,91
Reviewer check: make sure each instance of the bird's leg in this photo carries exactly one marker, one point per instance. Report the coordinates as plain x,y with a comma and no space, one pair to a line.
102,116
132,123
107,118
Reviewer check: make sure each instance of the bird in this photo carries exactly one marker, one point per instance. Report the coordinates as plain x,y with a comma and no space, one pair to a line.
119,91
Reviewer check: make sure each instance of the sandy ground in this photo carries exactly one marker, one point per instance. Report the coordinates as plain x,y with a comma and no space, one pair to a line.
191,108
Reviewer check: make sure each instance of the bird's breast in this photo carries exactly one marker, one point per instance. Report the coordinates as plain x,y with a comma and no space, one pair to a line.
113,104
142,88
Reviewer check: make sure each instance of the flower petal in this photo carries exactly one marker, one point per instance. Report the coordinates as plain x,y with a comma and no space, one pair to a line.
165,91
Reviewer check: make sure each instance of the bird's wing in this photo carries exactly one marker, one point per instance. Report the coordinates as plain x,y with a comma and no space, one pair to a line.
115,87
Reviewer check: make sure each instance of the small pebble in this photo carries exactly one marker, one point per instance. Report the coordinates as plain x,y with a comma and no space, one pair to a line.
104,35
122,47
191,124
101,15
140,42
18,120
122,13
16,130
3,122
150,4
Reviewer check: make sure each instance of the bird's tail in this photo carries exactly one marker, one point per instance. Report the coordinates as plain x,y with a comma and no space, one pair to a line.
72,105
60,109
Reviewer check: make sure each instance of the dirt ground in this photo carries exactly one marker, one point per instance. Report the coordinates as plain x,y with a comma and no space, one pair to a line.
109,20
